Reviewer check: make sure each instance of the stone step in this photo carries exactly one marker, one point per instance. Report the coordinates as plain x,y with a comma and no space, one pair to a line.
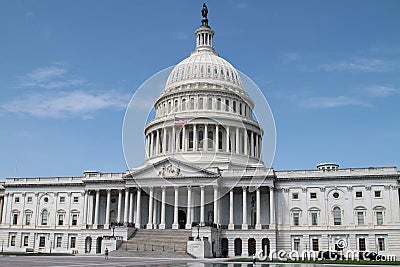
158,243
152,254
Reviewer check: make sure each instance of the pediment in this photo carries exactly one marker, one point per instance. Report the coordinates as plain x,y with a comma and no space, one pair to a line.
171,168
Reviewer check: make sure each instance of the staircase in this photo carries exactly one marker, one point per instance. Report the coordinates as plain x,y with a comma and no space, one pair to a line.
155,243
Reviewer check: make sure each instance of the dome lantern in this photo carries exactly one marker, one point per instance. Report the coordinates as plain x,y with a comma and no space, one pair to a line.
204,34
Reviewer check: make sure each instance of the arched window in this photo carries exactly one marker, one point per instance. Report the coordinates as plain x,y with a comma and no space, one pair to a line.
210,139
192,104
191,140
209,103
183,104
240,108
337,216
176,105
200,139
200,103
226,105
45,215
234,106
219,104
219,140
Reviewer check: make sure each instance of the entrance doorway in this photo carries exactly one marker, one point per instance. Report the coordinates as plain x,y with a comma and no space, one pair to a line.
99,240
238,247
224,247
251,247
88,244
181,219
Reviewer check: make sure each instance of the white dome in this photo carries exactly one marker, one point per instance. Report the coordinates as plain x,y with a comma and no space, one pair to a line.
204,67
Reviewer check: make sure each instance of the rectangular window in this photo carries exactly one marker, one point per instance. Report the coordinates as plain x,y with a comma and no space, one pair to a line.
295,196
15,218
28,219
16,199
62,199
315,244
73,242
313,195
29,200
296,244
26,240
296,218
76,199
12,241
360,217
314,218
361,244
378,194
58,241
359,194
74,219
381,244
379,218
42,242
60,219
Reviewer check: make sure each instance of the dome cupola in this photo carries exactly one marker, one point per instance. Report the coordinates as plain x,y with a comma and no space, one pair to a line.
204,115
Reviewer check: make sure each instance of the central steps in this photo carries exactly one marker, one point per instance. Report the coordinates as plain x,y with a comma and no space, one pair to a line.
157,243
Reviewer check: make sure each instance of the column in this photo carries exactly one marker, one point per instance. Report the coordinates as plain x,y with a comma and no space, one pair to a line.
216,137
152,144
205,142
164,142
155,210
189,208
126,220
227,139
119,205
1,209
184,138
91,209
107,224
258,212
195,144
173,140
216,204
138,219
175,224
162,223
131,208
147,146
158,143
246,137
151,200
237,143
231,225
202,205
85,208
244,221
252,144
96,210
257,147
271,207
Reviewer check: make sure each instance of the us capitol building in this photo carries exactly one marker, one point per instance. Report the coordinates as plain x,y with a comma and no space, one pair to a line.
196,191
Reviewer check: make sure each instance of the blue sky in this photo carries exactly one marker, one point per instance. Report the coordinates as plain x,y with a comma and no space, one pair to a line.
329,69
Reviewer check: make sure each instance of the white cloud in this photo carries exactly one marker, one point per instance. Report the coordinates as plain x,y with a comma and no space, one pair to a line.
378,91
290,57
358,65
65,104
52,77
333,102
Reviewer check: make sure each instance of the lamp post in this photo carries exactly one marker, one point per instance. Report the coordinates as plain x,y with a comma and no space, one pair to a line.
113,229
198,232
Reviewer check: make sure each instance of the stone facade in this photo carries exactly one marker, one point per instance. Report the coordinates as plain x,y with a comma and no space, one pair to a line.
203,160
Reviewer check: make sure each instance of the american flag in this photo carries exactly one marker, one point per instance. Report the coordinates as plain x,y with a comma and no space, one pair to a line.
180,121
